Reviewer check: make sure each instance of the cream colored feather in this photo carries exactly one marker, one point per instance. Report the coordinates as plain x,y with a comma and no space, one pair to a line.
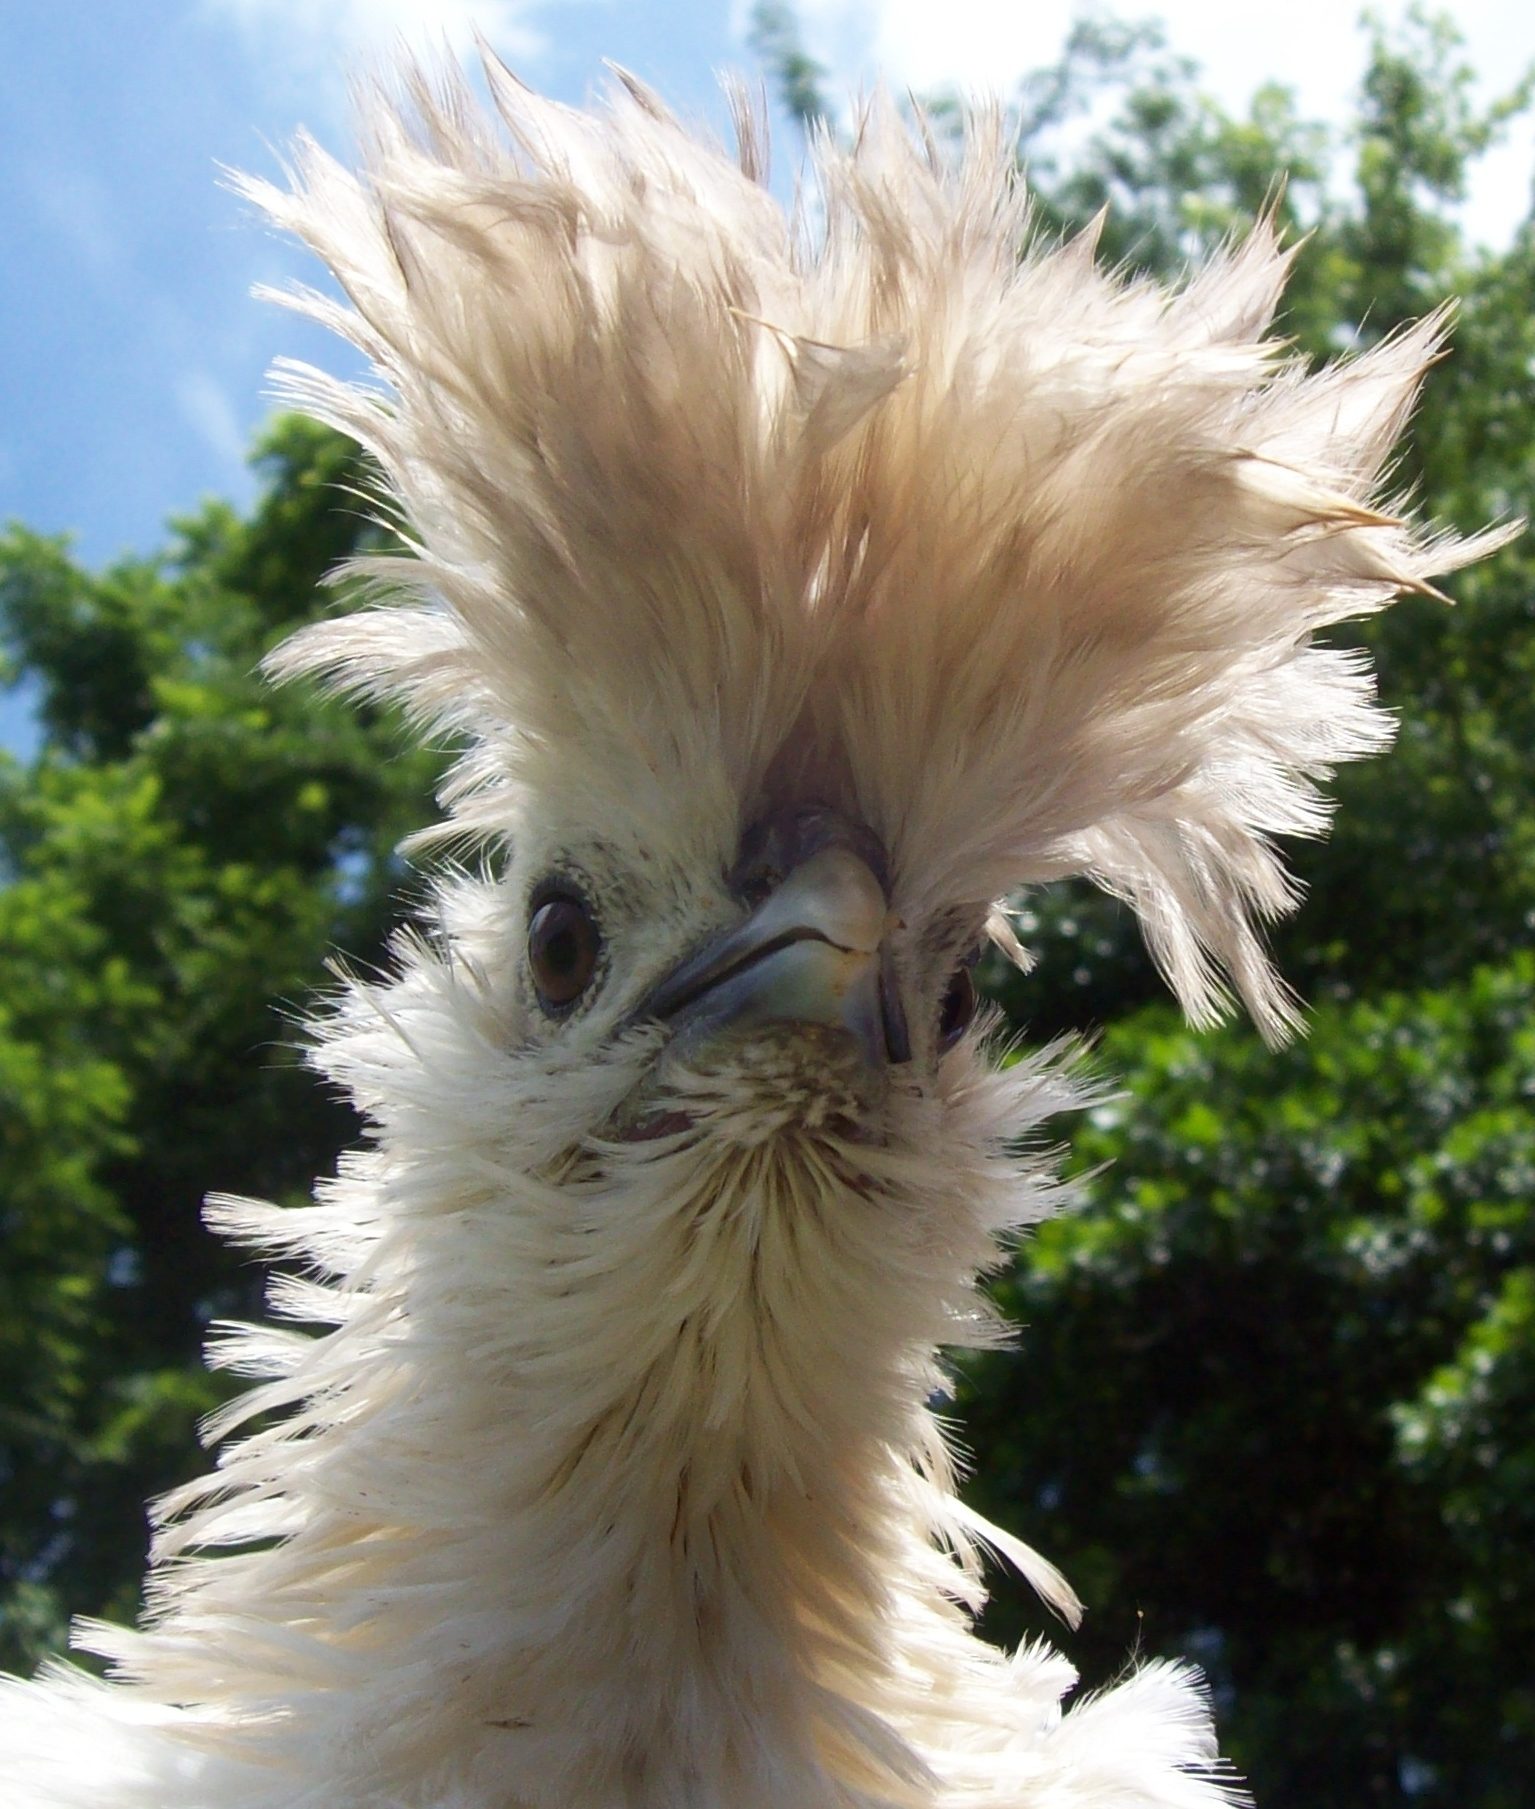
613,1482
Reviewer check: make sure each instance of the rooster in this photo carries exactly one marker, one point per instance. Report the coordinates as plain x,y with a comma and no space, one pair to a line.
795,587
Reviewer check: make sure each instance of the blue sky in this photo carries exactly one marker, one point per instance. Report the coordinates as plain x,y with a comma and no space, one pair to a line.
132,362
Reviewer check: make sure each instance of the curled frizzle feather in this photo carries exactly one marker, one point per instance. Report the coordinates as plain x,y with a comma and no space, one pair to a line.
1019,558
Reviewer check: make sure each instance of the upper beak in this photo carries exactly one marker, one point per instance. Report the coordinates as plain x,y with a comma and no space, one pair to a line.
815,951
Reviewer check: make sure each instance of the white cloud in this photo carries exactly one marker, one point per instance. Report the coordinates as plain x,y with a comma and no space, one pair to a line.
362,24
311,48
205,406
983,46
75,204
974,45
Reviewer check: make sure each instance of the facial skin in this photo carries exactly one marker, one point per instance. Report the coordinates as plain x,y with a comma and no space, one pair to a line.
789,960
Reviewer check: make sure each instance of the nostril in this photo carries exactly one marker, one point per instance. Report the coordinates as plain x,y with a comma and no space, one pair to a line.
957,1008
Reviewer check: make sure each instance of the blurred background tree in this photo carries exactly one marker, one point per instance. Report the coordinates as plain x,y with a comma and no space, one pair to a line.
176,863
1276,1408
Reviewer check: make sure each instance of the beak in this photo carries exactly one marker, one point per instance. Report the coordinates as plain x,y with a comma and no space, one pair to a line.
815,951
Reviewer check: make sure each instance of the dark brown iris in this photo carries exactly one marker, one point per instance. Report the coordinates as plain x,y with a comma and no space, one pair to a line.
958,1007
563,946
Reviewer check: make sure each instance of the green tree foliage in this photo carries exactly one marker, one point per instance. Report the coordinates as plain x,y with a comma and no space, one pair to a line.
178,859
1270,1410
1276,1408
800,79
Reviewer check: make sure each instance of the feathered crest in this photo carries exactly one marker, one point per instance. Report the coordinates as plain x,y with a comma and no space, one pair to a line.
878,502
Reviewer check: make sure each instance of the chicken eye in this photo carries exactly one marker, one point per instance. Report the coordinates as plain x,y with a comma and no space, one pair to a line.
957,1008
563,946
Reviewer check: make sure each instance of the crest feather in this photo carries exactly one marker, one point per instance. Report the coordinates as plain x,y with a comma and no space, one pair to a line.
880,500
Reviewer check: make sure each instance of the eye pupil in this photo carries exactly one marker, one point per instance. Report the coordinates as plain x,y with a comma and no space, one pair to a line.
563,946
957,1009
758,886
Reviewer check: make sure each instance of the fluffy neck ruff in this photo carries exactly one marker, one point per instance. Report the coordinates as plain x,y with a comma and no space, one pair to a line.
614,1481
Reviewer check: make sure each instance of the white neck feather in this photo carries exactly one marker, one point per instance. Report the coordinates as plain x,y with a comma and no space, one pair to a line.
614,1484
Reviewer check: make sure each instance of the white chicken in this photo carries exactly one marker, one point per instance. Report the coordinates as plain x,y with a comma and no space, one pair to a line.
796,588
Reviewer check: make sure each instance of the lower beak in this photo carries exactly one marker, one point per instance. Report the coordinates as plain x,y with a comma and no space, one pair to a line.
815,951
